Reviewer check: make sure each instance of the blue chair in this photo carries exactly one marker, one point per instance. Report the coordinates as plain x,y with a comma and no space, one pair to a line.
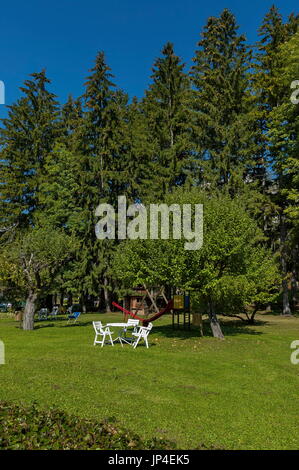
74,316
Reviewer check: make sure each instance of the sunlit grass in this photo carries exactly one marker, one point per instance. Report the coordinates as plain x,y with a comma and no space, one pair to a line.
240,393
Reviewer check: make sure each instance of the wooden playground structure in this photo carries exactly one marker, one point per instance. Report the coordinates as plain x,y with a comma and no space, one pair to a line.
181,310
145,301
149,304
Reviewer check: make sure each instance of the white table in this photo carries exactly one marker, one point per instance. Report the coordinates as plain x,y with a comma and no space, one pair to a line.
119,325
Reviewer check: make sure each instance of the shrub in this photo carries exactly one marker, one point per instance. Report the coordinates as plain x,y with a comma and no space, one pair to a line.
29,428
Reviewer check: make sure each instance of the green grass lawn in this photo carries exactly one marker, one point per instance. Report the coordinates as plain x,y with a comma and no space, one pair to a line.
240,393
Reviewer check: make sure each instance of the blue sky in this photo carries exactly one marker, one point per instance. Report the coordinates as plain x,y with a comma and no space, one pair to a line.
64,36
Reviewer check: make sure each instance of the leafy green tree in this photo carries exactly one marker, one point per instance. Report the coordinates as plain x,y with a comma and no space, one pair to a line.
229,272
34,260
242,295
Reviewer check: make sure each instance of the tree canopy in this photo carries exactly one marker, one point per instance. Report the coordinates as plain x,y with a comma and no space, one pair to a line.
223,134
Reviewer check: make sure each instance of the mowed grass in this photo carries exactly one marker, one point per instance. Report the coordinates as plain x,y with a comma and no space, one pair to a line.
240,393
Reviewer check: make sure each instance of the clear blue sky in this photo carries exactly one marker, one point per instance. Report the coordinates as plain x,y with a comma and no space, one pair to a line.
64,36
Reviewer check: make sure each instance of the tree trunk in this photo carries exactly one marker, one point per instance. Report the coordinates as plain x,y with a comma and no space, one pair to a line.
106,296
215,325
83,302
61,297
283,259
252,316
28,319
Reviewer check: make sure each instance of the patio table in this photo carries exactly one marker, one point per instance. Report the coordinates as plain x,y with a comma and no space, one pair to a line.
120,326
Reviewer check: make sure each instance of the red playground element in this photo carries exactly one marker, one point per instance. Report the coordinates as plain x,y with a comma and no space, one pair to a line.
146,321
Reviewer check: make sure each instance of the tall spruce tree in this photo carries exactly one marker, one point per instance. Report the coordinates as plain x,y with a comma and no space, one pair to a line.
26,138
284,146
272,95
71,118
224,134
99,142
166,107
268,92
137,154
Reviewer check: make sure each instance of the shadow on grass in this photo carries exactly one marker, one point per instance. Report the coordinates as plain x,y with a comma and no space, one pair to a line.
236,327
41,326
277,313
52,319
229,328
78,323
57,321
38,324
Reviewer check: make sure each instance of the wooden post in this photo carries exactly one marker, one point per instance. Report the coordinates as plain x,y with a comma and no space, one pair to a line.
197,321
163,295
151,298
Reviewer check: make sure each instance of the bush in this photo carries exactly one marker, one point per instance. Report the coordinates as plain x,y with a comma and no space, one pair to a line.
29,428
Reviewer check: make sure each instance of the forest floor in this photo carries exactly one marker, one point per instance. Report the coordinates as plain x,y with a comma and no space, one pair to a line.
239,393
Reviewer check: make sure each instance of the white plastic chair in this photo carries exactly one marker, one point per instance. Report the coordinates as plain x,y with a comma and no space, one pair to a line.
55,311
130,323
134,323
101,331
142,333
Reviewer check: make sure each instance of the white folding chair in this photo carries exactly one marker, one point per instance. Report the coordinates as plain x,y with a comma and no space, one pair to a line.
102,331
128,339
134,323
142,333
130,323
55,311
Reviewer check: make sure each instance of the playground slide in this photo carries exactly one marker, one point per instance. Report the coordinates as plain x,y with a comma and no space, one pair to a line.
146,321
